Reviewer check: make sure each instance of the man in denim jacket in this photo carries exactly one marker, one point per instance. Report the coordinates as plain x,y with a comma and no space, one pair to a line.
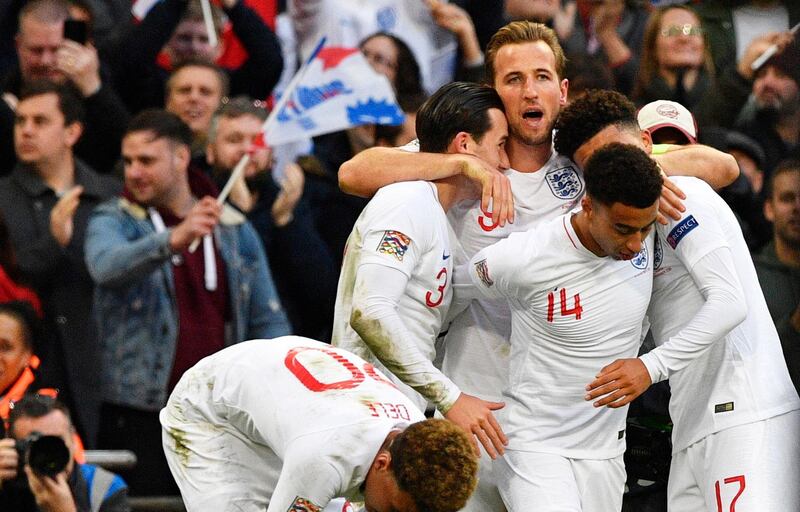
160,307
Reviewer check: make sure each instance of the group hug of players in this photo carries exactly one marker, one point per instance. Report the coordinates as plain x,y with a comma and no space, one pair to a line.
545,294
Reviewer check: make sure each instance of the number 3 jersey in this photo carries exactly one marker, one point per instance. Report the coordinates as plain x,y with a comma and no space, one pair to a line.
572,313
324,412
402,229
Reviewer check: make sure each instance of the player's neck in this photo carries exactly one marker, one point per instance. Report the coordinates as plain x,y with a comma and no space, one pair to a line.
528,158
453,190
580,223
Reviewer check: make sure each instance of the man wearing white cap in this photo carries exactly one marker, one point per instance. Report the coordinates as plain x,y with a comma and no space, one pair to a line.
668,122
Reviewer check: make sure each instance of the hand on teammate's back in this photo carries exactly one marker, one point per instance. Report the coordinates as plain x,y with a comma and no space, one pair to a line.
475,416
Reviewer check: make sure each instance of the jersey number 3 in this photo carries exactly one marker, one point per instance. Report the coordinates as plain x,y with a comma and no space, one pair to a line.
565,311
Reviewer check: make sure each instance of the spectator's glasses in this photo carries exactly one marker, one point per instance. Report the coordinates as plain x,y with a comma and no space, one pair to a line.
686,30
379,60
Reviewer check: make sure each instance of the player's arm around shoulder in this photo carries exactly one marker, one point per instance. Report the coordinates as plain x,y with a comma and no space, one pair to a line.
717,168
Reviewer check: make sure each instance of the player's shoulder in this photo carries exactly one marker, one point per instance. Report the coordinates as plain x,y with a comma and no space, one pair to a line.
404,194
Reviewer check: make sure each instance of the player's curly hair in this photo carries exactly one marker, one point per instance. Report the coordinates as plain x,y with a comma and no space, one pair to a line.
434,462
623,173
585,117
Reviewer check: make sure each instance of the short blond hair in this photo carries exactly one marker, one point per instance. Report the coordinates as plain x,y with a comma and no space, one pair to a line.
520,32
434,462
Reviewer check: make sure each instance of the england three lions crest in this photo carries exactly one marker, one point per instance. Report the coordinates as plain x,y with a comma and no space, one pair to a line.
565,183
639,259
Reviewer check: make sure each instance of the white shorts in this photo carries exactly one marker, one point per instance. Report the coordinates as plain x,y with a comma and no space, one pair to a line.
753,467
543,482
215,466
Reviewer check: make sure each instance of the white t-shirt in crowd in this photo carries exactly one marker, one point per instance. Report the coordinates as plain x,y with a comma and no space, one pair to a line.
572,313
402,229
716,383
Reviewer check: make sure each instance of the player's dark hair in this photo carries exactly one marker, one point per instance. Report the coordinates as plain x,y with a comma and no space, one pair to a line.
588,115
622,173
455,107
70,101
433,461
162,124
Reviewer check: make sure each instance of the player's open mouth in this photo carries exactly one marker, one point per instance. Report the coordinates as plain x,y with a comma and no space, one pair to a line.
533,114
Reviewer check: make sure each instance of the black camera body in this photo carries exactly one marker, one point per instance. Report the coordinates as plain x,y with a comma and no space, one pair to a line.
46,455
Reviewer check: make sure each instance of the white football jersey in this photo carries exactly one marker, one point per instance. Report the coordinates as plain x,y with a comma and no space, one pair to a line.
324,412
477,342
405,228
741,378
572,313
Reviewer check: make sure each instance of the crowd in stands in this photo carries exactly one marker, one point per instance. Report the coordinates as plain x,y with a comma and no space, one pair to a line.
107,142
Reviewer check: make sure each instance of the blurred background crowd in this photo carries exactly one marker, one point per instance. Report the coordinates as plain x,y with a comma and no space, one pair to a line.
73,73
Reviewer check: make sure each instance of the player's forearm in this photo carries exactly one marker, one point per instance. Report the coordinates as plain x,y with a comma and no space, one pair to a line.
377,167
381,328
716,168
724,308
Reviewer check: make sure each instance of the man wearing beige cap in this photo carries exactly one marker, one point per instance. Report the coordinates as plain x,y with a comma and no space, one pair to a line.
668,122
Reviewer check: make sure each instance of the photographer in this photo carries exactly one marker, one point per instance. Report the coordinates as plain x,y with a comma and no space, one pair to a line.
76,488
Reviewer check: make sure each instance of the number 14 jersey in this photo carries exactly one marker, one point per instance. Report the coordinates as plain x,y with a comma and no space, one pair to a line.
572,313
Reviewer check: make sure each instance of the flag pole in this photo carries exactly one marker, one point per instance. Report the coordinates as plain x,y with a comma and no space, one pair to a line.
287,93
205,5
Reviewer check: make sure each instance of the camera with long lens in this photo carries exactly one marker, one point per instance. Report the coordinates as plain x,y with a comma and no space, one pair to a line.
46,455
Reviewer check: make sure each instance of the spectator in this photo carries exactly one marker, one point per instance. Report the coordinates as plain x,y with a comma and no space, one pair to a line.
609,30
79,487
778,264
43,53
160,308
676,64
194,92
176,27
775,124
279,215
744,195
732,25
334,211
347,23
20,332
46,202
585,73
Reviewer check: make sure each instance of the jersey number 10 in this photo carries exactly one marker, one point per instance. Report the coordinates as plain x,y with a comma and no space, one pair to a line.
312,383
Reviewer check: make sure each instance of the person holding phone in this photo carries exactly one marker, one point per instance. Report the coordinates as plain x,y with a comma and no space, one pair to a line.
46,50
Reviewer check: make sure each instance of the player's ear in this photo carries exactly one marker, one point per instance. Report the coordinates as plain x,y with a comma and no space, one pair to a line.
383,460
647,140
769,213
586,204
461,143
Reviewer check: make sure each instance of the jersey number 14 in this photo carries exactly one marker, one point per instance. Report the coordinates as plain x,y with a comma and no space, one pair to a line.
576,309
